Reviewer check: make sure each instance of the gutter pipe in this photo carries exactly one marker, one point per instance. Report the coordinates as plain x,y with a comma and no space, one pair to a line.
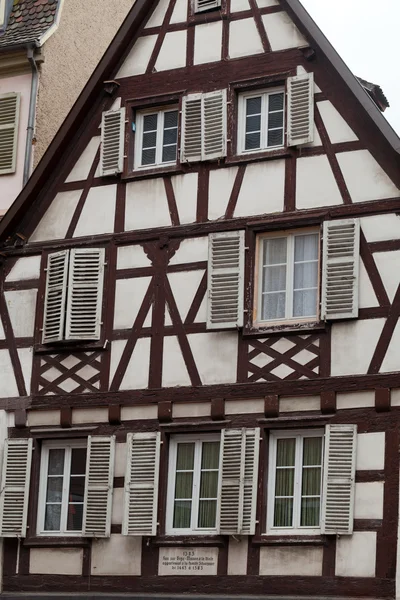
31,117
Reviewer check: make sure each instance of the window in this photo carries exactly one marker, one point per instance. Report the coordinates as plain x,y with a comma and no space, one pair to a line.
156,138
288,274
295,480
261,120
192,502
9,118
204,5
62,488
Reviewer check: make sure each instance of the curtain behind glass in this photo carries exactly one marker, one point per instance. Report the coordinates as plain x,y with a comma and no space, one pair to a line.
311,482
208,485
274,267
184,485
55,477
305,275
284,482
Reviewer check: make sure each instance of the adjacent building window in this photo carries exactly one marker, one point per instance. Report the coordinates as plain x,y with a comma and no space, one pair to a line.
194,467
261,120
156,138
295,480
288,276
62,488
9,119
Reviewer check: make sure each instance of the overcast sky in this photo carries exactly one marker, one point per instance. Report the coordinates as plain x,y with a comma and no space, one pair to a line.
366,34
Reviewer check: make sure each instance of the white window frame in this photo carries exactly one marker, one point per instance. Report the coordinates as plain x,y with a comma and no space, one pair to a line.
264,93
140,114
288,318
198,439
298,435
44,464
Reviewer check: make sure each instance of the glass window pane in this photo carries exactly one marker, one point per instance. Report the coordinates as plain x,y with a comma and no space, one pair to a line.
185,457
209,484
171,119
149,157
149,139
183,485
170,136
76,489
75,517
52,517
169,153
310,512
207,514
273,306
274,251
285,452
276,101
78,461
312,451
305,275
54,489
182,514
306,247
210,455
275,137
150,122
253,123
56,461
284,482
274,279
305,303
283,513
311,481
275,120
252,141
253,106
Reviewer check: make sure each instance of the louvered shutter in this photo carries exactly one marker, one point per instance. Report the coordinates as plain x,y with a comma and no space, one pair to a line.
238,481
300,109
225,280
338,485
55,297
9,117
15,487
112,142
141,484
203,5
340,269
99,486
85,294
204,126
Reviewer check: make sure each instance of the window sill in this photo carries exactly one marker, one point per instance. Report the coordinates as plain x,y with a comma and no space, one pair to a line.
260,330
257,156
153,172
193,540
50,541
72,346
289,540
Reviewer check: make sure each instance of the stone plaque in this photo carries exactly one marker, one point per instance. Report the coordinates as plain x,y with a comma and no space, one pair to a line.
188,561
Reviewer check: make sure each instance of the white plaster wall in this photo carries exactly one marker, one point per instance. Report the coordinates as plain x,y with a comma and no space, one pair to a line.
238,5
265,3
117,555
132,413
120,460
129,294
388,264
356,554
89,415
370,453
353,345
315,183
391,361
207,43
146,205
291,561
244,406
220,188
80,170
191,250
25,356
25,268
244,38
184,286
173,51
185,190
56,220
158,14
130,257
215,355
395,397
369,500
337,128
262,189
43,417
237,556
355,400
137,373
364,177
21,306
98,212
381,227
8,385
174,371
191,409
180,12
292,404
282,32
366,294
138,58
11,185
117,505
54,561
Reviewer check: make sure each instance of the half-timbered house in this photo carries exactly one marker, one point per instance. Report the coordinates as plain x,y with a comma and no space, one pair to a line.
199,340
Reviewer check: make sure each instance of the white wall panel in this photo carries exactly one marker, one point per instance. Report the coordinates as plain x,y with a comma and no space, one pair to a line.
353,345
43,417
356,554
82,416
215,355
369,500
138,413
25,268
138,58
137,373
55,561
184,286
146,205
301,403
366,298
117,555
185,189
237,556
291,560
173,51
56,220
238,5
180,11
208,43
21,306
117,505
244,406
265,3
388,264
174,369
158,14
191,250
120,459
391,361
364,177
84,163
337,128
98,214
129,294
131,257
244,38
315,183
25,357
282,32
220,189
355,400
370,453
190,409
262,189
379,228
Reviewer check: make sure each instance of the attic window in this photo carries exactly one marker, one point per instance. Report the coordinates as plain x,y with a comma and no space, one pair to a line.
205,5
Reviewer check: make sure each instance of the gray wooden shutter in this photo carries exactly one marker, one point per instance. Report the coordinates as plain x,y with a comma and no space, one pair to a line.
338,483
192,129
99,486
55,297
300,109
340,269
85,294
203,5
112,142
9,118
15,487
141,484
225,280
204,126
238,481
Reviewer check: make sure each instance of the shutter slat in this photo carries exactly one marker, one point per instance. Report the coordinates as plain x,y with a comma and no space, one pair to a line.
85,294
203,5
55,297
15,487
99,486
300,109
340,269
192,128
112,142
141,484
225,280
338,485
9,119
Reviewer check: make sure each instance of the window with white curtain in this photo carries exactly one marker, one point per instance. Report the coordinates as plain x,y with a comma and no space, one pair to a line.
193,476
295,481
288,274
156,140
261,120
62,488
